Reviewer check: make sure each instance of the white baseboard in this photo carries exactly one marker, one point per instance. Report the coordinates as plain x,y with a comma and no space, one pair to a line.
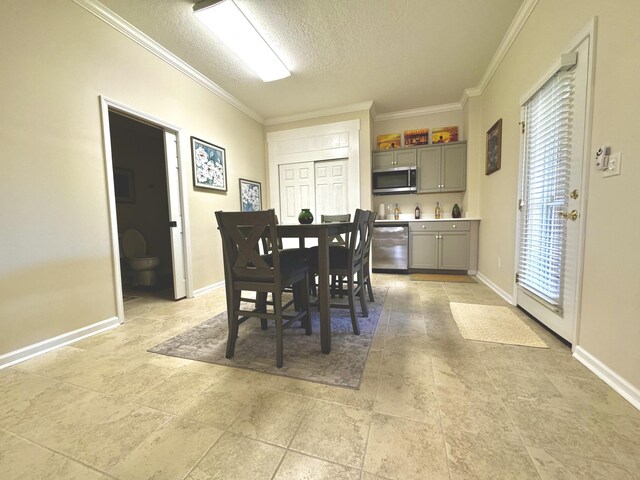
495,288
608,376
209,288
25,353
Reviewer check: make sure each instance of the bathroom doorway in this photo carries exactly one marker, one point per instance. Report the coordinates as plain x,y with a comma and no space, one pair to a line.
147,204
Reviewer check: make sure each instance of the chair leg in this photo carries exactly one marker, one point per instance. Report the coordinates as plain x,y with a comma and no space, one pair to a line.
352,308
261,306
367,279
277,300
233,325
361,290
306,305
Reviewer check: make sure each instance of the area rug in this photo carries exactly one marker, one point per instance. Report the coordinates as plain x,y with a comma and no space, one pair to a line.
303,359
441,277
489,323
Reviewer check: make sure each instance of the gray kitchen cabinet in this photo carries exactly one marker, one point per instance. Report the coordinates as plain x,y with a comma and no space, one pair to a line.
394,158
443,245
442,168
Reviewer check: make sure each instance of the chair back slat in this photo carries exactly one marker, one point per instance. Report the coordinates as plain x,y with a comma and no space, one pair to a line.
358,237
338,240
242,233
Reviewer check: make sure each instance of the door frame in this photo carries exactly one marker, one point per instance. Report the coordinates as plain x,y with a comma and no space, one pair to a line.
107,104
588,32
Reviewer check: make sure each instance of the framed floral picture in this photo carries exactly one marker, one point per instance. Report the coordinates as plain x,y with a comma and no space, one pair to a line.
209,165
494,148
250,196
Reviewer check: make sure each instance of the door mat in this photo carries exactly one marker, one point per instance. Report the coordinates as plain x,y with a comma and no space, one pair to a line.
303,358
441,277
489,323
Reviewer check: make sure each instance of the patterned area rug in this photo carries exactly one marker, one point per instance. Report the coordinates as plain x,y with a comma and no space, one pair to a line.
490,323
441,277
303,359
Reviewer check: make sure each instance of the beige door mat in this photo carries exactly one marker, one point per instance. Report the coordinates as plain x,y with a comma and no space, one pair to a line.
489,323
441,277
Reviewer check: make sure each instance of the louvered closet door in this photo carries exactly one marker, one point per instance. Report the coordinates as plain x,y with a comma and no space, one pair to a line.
550,190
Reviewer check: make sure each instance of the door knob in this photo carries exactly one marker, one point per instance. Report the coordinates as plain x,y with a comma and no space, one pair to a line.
572,215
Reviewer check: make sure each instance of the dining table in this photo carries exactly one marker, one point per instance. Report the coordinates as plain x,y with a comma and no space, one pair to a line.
323,232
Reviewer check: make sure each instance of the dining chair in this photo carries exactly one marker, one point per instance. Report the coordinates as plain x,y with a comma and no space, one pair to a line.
346,263
336,241
366,255
247,270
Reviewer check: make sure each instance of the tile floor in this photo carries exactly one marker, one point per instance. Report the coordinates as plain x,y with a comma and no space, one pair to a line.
432,405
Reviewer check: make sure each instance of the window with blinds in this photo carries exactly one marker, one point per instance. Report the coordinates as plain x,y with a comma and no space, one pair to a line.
547,120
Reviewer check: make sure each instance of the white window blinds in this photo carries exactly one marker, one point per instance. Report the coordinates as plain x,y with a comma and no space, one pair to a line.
547,154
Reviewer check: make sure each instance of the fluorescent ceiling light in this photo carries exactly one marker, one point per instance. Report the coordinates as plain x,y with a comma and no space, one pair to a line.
229,24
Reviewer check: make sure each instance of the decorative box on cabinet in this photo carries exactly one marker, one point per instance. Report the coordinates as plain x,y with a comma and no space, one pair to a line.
444,245
394,158
442,168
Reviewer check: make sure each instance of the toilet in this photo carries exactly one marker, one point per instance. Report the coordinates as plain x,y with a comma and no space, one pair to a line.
144,268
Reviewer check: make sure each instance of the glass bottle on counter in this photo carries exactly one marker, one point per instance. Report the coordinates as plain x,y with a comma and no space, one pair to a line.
437,215
396,213
417,211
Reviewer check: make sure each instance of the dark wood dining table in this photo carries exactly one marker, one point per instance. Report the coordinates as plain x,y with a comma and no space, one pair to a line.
323,232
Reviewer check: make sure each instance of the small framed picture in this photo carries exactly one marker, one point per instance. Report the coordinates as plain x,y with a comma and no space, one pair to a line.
389,140
494,148
123,185
250,196
209,165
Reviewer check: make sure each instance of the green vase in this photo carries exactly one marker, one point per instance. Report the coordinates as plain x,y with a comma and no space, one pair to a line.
456,213
305,216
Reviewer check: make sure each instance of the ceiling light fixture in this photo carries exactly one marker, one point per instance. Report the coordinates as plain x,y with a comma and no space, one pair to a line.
228,23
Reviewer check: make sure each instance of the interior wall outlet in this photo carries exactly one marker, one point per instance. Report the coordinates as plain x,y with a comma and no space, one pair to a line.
613,165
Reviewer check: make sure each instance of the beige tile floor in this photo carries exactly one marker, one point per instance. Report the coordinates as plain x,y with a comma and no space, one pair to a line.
432,405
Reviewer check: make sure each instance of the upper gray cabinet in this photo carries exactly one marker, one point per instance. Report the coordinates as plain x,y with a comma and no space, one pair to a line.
442,168
394,158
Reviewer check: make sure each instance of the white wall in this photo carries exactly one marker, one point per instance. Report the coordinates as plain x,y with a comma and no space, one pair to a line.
56,270
609,326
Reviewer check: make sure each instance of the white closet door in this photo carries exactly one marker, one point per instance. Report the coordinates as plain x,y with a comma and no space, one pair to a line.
331,188
297,190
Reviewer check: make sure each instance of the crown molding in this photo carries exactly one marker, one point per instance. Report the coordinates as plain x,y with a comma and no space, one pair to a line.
124,27
354,107
512,33
416,112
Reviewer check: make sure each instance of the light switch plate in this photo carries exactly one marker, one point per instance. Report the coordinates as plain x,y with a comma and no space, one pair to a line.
613,167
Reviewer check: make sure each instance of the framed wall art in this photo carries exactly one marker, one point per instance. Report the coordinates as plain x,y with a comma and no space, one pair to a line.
389,140
209,165
494,148
444,135
250,196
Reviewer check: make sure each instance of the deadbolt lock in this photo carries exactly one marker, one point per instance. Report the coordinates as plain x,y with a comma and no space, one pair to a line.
574,194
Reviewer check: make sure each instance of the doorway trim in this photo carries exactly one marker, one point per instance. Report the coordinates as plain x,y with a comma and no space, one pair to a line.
328,141
588,32
107,104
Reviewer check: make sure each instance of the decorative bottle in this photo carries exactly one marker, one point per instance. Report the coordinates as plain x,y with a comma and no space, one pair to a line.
437,209
396,213
305,216
456,212
417,211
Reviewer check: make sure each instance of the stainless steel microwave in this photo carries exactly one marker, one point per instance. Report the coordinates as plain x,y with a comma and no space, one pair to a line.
392,181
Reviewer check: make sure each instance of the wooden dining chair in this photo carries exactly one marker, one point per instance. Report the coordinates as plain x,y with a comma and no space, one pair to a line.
247,270
346,263
341,240
366,254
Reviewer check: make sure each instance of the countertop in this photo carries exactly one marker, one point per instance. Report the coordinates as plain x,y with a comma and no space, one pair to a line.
448,219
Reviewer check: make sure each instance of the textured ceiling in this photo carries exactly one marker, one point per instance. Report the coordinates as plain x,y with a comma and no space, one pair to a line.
402,54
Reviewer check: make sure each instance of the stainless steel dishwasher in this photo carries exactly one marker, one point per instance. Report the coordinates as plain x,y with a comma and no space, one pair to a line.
390,247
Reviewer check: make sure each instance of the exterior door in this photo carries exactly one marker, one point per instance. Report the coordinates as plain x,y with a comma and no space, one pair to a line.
331,188
297,190
175,215
550,218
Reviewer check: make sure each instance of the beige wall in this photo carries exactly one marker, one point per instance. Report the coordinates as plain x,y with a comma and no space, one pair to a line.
426,201
365,145
609,326
56,271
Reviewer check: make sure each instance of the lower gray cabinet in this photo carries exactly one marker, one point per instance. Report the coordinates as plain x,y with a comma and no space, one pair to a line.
443,245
